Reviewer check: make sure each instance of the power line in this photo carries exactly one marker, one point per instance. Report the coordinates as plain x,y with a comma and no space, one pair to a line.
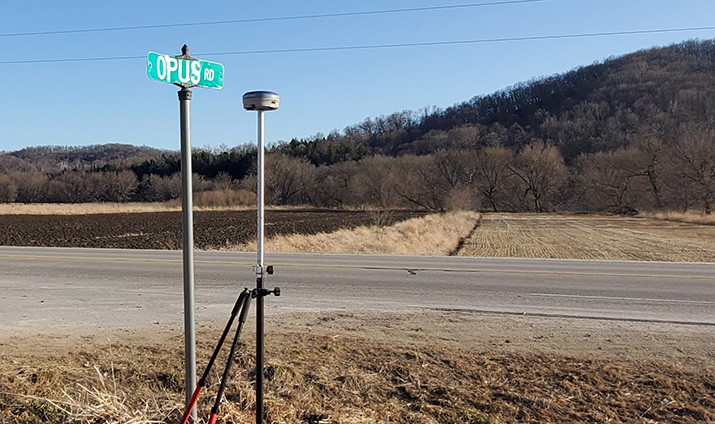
381,46
268,19
458,42
71,59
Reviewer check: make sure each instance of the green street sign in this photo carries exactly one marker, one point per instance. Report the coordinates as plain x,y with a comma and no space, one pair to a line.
184,72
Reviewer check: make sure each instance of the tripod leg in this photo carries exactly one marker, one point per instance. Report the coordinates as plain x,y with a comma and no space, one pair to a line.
245,294
227,369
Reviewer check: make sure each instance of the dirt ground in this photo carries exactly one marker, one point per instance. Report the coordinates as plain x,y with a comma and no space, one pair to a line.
685,345
162,230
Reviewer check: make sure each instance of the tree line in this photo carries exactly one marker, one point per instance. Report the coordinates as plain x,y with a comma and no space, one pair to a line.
600,107
648,174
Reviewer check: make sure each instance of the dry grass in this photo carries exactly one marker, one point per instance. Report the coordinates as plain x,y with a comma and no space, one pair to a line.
203,201
689,216
226,199
100,403
314,375
590,237
84,208
82,387
434,235
208,200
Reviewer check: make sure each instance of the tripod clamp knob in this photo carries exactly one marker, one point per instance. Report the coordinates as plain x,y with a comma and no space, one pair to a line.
262,271
265,292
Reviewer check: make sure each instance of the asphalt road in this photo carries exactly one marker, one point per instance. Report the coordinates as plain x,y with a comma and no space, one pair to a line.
106,288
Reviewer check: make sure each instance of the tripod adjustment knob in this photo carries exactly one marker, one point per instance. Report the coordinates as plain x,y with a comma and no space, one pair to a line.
265,292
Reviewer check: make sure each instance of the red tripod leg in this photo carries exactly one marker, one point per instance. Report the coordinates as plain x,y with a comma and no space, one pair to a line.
245,295
192,403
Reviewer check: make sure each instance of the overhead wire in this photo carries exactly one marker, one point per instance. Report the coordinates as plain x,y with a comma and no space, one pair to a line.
379,46
268,19
458,42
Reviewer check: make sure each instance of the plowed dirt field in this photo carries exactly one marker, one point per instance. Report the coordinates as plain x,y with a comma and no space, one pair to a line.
162,230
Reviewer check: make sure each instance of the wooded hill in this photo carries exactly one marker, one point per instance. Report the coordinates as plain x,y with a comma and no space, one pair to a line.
600,107
632,132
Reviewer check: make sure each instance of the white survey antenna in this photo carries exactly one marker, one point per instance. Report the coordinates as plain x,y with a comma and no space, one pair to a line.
261,100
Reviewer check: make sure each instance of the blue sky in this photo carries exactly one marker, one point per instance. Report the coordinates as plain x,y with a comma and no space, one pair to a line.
113,101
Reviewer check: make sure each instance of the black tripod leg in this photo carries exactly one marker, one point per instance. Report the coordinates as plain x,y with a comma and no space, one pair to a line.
245,294
227,369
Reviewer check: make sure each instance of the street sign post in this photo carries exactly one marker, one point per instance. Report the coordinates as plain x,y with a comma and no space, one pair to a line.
184,72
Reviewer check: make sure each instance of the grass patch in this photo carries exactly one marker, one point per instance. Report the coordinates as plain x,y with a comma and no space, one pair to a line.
689,216
85,208
314,377
431,235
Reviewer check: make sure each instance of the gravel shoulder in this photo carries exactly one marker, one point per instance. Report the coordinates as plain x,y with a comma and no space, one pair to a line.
690,346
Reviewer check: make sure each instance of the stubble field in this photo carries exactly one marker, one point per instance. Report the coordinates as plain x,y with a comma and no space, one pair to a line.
370,367
590,237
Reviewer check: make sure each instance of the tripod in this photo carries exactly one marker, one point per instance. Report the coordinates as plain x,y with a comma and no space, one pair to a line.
240,309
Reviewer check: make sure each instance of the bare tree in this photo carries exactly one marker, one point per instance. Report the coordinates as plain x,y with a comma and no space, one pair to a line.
121,186
377,182
542,172
222,181
419,184
335,185
450,167
693,159
490,168
610,180
154,188
464,137
651,167
8,189
77,187
31,186
287,179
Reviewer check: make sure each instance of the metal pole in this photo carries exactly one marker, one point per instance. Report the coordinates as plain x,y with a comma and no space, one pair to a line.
260,274
188,245
260,191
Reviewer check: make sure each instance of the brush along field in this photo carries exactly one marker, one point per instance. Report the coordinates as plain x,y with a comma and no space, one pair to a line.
84,208
432,235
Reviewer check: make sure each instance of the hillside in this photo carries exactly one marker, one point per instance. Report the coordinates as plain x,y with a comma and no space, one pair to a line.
599,107
634,132
62,157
